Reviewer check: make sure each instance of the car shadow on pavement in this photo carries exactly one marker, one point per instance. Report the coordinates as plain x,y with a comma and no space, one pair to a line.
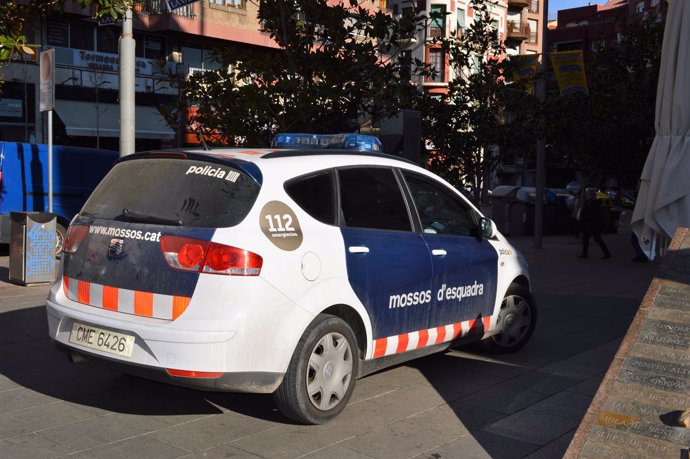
522,404
530,402
30,363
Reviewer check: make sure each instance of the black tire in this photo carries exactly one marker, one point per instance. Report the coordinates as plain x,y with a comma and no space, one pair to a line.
60,237
517,318
328,342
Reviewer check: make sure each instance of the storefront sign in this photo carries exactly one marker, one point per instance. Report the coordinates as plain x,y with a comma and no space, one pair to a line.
108,62
11,108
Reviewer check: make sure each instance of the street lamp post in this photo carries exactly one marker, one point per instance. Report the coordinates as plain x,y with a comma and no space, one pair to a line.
541,141
127,82
176,57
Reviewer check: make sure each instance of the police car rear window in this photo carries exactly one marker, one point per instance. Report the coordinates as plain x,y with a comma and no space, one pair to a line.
175,192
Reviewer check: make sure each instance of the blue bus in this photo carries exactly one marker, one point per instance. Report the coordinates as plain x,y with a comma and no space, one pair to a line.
24,181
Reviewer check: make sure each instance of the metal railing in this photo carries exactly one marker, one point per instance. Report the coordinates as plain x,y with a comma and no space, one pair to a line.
158,7
520,30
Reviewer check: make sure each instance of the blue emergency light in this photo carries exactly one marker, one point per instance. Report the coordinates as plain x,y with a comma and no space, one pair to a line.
360,142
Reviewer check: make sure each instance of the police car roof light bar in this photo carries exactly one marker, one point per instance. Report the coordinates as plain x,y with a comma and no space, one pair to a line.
345,141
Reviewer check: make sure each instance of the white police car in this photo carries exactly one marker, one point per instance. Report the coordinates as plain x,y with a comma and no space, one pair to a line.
292,272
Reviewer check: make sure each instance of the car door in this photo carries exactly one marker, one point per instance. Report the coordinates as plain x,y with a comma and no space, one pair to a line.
465,267
388,264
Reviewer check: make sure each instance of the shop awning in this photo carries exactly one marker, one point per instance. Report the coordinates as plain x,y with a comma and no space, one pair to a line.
91,120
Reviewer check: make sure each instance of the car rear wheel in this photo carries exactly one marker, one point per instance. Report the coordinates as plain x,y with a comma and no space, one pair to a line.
516,320
60,236
322,372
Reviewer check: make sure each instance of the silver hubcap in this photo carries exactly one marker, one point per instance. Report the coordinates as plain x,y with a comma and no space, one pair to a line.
330,371
514,320
59,242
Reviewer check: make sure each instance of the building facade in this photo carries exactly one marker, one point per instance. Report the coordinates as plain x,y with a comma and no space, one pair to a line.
169,45
587,28
591,27
519,23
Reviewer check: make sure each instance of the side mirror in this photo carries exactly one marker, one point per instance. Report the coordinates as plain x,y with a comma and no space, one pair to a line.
487,229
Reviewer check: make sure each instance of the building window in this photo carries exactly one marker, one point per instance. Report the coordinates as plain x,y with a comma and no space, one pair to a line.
149,47
598,45
533,30
81,36
107,39
461,19
405,60
568,46
58,33
654,3
154,48
438,21
228,3
199,60
438,62
534,6
104,39
639,7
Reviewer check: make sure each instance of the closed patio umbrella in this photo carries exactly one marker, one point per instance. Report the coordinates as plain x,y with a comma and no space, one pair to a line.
663,202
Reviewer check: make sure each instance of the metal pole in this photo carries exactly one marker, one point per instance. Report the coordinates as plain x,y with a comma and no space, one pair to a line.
127,83
541,141
50,161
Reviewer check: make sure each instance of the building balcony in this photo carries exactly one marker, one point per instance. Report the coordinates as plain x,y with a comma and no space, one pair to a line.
518,30
519,3
158,7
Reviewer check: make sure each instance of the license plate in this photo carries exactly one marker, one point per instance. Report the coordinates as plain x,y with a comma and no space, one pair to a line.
102,340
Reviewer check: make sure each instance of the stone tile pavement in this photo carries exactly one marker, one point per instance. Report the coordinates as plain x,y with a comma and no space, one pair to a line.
457,404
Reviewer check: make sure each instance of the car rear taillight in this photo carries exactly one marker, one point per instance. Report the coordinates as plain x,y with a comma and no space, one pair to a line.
194,255
75,236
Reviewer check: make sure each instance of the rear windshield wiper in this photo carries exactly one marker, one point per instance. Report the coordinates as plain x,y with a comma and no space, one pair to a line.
129,216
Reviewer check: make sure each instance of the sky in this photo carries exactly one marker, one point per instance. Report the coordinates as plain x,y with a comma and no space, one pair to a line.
555,5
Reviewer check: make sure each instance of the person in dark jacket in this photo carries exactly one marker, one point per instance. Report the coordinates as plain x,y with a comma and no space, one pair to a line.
592,224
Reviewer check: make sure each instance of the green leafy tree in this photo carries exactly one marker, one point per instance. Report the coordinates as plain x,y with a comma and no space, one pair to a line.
16,14
608,133
469,127
336,68
13,18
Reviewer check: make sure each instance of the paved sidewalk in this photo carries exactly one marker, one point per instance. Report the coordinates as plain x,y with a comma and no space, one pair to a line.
457,404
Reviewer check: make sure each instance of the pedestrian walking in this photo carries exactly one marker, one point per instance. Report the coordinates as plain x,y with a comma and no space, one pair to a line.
592,224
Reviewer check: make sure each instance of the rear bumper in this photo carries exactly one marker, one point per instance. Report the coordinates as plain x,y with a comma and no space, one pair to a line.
246,341
247,382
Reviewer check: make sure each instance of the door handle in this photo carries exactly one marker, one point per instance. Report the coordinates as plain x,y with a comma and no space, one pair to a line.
439,253
358,249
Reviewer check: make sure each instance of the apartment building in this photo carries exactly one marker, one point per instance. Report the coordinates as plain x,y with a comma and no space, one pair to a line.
590,27
519,23
87,65
587,28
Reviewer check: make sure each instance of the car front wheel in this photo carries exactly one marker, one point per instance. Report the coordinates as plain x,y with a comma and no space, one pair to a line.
517,319
322,372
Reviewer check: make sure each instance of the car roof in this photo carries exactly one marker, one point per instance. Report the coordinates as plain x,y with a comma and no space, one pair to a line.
268,158
288,163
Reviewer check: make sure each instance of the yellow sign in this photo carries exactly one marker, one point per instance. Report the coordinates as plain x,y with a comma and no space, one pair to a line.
525,68
569,68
